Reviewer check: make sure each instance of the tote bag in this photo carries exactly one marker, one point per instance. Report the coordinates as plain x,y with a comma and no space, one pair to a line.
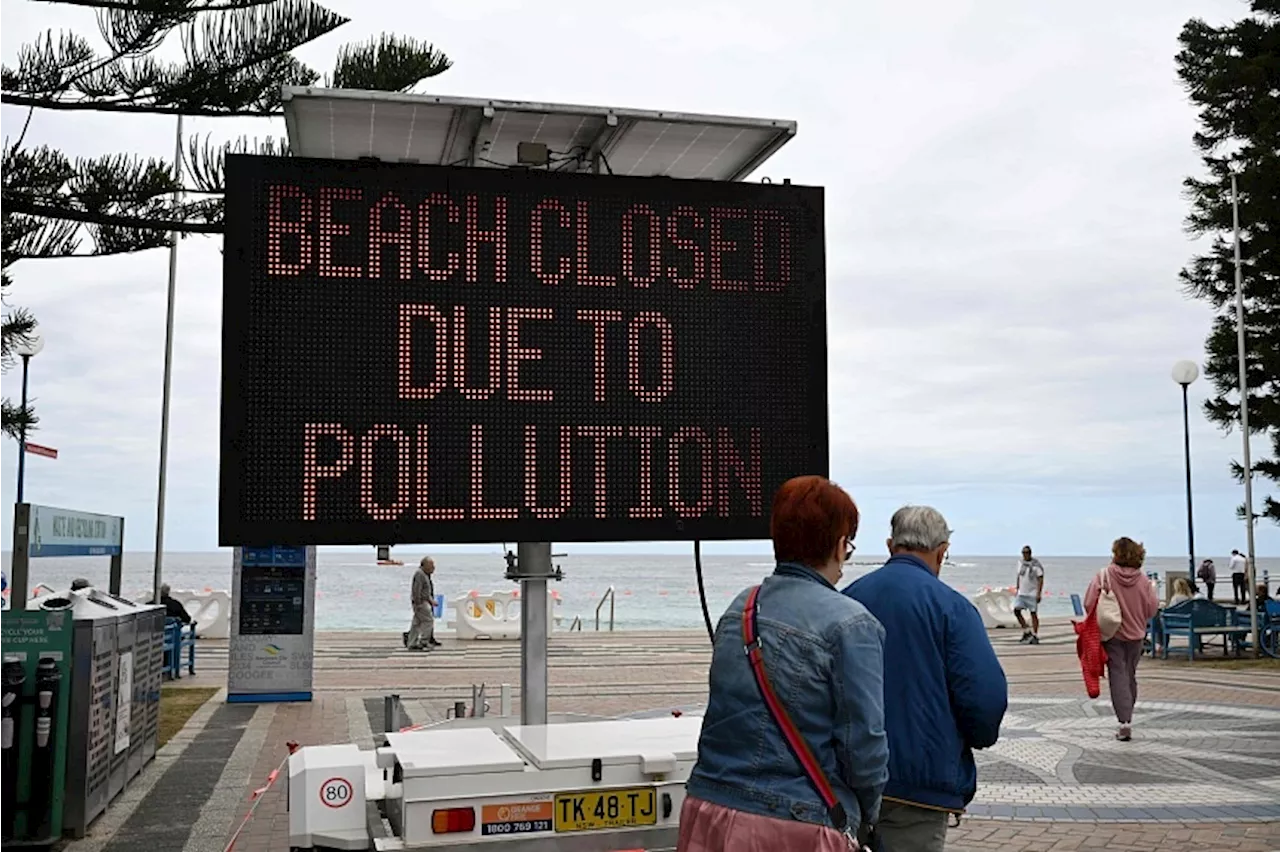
1107,607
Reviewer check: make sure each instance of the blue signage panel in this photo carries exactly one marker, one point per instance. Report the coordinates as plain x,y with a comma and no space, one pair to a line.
66,532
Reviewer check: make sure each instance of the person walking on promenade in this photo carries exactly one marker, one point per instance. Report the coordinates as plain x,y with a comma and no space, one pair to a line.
422,632
945,693
1030,589
792,755
1138,603
1208,575
1239,586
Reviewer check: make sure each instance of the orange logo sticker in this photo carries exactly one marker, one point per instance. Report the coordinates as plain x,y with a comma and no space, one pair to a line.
517,812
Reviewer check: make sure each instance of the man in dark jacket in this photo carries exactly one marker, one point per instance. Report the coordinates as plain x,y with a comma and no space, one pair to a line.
945,693
173,608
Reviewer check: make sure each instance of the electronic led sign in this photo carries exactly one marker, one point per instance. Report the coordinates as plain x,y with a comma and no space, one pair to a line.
430,354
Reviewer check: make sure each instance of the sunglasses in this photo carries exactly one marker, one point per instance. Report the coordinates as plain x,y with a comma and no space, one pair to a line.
848,550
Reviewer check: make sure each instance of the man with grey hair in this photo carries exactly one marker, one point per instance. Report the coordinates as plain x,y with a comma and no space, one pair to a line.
173,608
945,693
422,595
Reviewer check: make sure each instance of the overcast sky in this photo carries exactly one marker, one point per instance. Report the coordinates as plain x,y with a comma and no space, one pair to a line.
1004,233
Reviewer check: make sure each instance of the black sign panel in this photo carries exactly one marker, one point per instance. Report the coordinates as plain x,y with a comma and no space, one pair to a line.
430,354
271,599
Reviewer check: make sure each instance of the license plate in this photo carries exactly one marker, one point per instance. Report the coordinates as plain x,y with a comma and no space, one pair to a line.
606,809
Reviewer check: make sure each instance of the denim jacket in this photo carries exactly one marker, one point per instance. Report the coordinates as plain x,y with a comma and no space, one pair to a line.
823,654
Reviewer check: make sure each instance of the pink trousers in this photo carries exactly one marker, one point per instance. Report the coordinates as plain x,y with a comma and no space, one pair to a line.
705,827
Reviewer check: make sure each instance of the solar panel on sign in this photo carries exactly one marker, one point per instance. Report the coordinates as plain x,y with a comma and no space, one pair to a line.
345,124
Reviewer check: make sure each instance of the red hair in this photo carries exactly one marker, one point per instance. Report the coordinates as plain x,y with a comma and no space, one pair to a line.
810,515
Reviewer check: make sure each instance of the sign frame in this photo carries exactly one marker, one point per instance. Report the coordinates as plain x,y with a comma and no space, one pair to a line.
25,541
802,448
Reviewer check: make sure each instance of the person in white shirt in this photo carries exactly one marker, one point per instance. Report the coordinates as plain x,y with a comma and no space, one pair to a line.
1239,588
1030,588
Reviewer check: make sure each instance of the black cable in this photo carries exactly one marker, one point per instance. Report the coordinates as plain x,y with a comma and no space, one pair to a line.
702,590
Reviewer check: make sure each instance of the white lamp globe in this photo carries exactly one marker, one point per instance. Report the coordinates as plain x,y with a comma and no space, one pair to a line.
1185,372
29,347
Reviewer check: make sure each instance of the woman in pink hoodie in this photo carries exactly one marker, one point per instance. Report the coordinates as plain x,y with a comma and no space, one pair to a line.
1138,603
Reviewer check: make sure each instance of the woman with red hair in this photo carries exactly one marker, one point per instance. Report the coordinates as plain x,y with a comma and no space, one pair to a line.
793,754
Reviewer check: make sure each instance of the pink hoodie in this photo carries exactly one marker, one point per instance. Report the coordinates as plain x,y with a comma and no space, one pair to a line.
1138,601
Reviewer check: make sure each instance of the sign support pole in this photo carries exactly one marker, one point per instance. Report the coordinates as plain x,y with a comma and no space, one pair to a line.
20,576
532,569
22,431
117,569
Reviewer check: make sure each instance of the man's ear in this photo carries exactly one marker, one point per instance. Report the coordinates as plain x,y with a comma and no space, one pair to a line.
888,543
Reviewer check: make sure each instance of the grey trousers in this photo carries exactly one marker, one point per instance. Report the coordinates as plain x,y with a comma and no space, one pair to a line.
907,828
1122,674
423,629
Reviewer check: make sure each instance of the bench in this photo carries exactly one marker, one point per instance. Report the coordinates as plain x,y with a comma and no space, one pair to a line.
1200,621
177,638
1268,628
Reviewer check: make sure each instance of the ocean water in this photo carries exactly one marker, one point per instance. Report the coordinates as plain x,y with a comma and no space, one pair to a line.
652,592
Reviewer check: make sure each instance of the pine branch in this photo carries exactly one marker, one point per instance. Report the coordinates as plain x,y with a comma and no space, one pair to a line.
204,161
387,64
148,5
19,326
34,208
25,236
136,108
17,420
235,61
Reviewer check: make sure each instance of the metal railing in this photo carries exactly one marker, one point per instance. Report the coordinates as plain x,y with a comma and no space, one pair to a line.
607,596
576,625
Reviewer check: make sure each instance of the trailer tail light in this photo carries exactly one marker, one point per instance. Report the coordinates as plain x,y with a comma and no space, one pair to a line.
453,820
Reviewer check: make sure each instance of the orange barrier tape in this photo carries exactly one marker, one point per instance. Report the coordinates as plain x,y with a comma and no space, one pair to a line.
256,796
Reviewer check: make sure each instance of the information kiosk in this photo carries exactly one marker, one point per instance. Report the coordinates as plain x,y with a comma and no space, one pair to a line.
273,593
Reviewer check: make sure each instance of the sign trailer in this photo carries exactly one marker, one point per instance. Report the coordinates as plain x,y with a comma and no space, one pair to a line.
458,320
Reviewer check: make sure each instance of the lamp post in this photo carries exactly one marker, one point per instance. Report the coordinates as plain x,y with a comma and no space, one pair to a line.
1241,351
161,479
26,350
1184,373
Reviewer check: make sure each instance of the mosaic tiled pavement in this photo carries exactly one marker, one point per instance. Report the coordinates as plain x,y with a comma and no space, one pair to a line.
1057,759
1202,773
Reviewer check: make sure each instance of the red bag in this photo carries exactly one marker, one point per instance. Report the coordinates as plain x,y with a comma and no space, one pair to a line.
1093,657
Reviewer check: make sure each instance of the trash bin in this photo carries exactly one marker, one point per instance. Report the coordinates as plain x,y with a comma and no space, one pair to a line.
35,675
117,650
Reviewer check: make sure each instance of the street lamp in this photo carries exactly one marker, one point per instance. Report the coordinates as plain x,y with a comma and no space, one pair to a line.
1184,373
1241,353
26,349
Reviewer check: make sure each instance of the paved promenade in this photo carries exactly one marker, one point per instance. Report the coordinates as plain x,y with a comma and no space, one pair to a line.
1203,771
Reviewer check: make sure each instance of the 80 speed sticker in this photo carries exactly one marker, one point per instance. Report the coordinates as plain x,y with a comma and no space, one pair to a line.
336,793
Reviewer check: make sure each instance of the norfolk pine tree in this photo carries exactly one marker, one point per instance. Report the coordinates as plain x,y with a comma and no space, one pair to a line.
235,56
1232,74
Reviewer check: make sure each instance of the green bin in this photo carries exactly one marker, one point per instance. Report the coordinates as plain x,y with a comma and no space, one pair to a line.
37,688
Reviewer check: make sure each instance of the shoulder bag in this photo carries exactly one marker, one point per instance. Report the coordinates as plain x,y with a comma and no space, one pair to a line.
795,740
1107,607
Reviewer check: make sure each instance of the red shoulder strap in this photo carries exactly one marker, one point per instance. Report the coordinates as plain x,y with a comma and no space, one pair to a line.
795,740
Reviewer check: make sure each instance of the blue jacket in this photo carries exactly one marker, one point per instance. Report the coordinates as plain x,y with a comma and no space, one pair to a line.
823,654
945,693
